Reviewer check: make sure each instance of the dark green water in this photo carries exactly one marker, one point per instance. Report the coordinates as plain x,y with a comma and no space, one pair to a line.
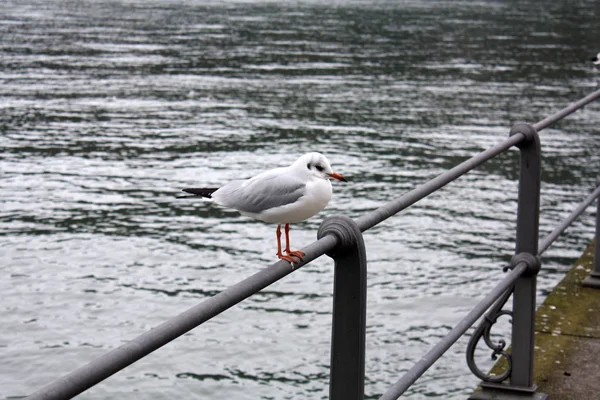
107,108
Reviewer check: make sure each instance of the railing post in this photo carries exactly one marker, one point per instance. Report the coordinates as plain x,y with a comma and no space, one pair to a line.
347,374
523,329
523,313
593,280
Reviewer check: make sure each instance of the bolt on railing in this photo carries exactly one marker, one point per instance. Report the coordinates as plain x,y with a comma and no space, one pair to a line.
341,238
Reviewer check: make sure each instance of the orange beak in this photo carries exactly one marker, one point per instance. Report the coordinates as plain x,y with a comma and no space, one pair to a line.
337,176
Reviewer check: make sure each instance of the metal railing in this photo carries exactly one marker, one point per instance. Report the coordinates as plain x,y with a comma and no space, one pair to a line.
341,238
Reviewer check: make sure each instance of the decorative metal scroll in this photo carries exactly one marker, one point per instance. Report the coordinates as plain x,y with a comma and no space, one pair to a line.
498,349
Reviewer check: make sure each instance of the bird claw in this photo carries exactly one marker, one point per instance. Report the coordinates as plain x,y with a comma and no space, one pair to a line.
289,257
295,253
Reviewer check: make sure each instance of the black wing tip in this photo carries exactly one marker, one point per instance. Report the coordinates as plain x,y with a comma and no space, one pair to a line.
198,192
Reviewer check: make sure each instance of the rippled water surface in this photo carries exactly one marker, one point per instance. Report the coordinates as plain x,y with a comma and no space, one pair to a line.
108,108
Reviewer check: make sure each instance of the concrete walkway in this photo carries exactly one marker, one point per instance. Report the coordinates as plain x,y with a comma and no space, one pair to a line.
567,354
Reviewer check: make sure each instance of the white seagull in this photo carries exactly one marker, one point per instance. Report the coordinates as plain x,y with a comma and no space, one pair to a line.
596,60
282,195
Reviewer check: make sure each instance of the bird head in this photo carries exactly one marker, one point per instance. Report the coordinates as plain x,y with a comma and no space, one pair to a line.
317,165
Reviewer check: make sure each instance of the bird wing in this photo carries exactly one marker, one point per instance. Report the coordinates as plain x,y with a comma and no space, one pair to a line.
268,190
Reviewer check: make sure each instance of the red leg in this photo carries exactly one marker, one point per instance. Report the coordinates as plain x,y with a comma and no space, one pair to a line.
280,255
295,253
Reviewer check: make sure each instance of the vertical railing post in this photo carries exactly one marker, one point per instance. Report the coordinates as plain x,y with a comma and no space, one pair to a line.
523,327
347,374
593,280
521,384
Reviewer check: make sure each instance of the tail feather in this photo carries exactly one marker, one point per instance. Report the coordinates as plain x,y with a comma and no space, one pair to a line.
200,192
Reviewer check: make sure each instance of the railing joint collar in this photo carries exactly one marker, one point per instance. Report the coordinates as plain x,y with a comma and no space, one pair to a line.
527,130
344,229
533,263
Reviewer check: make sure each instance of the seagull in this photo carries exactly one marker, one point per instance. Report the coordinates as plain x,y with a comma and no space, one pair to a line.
282,195
596,60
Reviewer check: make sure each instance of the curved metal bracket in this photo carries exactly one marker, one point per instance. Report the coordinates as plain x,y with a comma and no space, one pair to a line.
498,349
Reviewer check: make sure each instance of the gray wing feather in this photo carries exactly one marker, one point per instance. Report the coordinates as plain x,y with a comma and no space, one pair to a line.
261,192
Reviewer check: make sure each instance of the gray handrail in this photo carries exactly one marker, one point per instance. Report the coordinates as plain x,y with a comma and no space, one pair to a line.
88,375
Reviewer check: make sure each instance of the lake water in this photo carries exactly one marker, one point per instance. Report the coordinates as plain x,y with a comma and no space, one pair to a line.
108,108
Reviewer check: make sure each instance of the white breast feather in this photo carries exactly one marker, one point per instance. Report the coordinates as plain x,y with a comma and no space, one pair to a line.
318,193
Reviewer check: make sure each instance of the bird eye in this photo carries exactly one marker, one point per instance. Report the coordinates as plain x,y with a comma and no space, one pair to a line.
320,168
308,166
